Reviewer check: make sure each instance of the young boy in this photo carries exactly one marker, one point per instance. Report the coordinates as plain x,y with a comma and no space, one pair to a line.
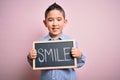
55,22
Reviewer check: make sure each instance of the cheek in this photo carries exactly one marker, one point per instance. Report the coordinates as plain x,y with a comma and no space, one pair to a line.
62,25
49,24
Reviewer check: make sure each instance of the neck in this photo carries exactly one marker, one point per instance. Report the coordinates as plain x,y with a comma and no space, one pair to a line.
55,36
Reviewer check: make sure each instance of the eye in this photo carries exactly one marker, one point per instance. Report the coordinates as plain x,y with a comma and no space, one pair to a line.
59,19
50,19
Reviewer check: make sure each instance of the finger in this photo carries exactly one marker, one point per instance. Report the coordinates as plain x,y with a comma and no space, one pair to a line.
73,51
33,55
73,48
74,56
33,50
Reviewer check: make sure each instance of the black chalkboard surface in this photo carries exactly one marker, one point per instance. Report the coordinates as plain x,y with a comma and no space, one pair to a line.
54,54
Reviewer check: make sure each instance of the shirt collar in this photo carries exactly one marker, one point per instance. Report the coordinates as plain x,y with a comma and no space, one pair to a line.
61,37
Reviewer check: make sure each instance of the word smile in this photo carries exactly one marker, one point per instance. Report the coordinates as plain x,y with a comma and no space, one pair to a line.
54,54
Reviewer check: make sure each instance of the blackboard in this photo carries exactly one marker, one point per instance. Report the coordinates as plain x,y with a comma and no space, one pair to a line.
54,54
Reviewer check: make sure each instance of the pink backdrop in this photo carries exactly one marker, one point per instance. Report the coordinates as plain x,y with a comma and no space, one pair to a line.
95,24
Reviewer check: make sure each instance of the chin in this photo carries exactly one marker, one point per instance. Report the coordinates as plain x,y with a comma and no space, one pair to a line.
56,33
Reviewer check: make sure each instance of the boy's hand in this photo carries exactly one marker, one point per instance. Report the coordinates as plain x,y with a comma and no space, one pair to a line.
32,54
76,53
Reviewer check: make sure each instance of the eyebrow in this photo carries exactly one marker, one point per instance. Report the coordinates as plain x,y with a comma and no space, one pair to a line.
52,17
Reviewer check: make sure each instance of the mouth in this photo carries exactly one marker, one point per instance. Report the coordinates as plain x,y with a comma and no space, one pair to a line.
55,29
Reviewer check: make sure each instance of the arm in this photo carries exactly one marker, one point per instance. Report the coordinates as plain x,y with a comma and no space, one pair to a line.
80,61
76,53
30,61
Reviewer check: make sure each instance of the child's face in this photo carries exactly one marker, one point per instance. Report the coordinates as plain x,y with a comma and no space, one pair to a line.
55,23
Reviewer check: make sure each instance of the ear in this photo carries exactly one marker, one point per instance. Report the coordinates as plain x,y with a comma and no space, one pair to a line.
65,21
45,23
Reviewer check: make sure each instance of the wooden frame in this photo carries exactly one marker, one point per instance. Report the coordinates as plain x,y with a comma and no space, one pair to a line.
38,44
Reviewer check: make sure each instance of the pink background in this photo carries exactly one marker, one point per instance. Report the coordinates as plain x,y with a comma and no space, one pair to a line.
95,24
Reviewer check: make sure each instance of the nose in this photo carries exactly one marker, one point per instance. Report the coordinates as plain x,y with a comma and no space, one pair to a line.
55,23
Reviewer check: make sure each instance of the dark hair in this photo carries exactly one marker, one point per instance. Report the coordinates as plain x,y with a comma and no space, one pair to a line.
54,6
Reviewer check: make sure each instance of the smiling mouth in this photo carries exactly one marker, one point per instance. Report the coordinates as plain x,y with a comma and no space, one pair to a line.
55,29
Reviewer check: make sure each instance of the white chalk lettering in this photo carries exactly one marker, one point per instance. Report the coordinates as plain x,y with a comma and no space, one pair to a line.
48,53
54,54
66,53
40,52
58,58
